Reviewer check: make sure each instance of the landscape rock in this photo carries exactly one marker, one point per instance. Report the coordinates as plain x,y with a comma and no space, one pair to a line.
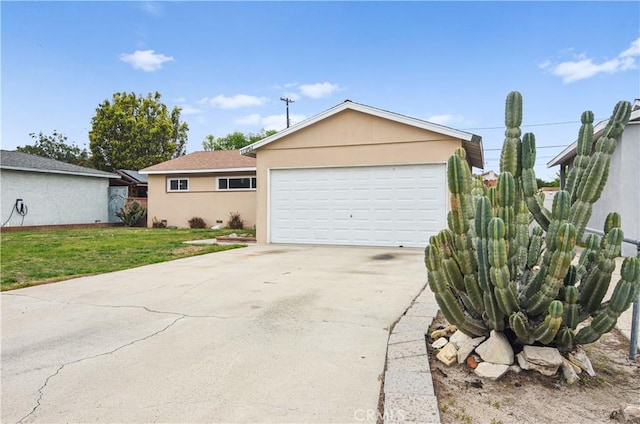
569,372
448,355
631,413
496,349
458,338
217,227
580,359
471,362
522,362
491,371
515,368
465,349
545,360
440,343
444,332
232,235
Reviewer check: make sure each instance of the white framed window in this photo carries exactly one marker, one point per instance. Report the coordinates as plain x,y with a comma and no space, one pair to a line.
177,184
236,183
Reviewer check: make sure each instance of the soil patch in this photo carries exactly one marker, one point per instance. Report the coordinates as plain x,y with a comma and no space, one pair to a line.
529,397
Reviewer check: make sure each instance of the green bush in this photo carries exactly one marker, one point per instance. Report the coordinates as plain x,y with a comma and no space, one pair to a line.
197,222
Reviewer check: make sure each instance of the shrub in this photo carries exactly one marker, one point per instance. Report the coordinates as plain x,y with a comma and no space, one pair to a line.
158,224
132,213
197,222
235,221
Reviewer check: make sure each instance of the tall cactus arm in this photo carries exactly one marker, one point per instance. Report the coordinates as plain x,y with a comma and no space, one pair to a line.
506,297
558,267
522,237
583,150
571,313
586,261
535,247
547,330
510,155
621,299
619,119
530,184
519,323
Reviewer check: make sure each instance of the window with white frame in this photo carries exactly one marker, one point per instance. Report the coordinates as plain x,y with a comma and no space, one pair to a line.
236,183
178,184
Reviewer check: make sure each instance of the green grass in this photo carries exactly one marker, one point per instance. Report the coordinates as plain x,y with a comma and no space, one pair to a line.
36,257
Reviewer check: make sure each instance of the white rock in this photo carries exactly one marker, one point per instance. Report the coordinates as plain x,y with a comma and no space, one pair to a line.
458,338
515,369
631,413
232,235
440,343
569,373
217,227
491,371
522,362
448,354
496,349
580,359
545,360
467,347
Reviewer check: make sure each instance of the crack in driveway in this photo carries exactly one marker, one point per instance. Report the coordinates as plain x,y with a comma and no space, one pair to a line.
145,308
61,367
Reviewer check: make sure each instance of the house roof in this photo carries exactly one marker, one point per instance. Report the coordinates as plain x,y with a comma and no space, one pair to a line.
133,176
200,162
25,162
471,142
570,151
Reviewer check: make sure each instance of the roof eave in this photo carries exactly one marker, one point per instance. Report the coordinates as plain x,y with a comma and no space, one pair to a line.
465,136
198,171
53,171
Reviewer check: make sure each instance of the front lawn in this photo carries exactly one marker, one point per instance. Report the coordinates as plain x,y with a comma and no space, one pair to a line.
36,257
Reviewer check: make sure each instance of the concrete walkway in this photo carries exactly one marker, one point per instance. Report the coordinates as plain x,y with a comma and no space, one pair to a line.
259,334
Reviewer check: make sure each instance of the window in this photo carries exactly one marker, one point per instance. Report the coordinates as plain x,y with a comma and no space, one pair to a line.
178,184
236,183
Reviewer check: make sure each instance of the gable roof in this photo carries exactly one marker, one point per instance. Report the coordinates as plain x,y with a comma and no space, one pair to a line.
471,142
570,151
25,162
201,162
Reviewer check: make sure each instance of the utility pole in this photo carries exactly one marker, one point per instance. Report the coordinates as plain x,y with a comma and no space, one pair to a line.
287,101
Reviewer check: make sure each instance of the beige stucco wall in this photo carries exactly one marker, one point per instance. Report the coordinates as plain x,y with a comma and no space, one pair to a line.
201,200
349,138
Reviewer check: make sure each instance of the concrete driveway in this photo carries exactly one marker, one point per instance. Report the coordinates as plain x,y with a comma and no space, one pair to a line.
261,334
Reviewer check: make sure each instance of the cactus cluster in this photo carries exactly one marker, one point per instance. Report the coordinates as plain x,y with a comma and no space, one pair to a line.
491,269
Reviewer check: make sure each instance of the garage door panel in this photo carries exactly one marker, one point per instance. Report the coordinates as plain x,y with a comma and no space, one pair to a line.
370,206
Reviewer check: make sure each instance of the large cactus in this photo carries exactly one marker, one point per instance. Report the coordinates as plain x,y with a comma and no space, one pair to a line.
490,271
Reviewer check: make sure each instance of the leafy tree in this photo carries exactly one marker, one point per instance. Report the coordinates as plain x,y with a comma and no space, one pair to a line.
235,140
55,146
554,183
133,132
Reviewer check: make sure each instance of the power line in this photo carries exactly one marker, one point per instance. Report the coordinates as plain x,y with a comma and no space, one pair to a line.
537,147
546,124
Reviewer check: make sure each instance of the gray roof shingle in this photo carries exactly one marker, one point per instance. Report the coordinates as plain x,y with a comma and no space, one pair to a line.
26,162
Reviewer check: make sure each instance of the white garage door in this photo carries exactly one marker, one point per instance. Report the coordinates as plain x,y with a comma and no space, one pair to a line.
399,205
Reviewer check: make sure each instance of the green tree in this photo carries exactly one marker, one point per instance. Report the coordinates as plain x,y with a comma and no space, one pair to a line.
234,140
133,132
55,146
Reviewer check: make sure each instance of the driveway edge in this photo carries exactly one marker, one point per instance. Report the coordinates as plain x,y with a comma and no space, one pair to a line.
408,388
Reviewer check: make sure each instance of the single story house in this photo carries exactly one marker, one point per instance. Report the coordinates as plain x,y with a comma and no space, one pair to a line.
42,191
621,193
356,175
136,183
209,185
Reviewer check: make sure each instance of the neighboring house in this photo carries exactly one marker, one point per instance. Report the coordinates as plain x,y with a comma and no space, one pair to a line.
621,193
489,178
209,185
52,192
136,182
356,175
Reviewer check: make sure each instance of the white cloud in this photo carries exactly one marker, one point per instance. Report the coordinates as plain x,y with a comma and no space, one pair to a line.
270,122
189,110
318,90
445,119
234,102
584,67
146,60
150,8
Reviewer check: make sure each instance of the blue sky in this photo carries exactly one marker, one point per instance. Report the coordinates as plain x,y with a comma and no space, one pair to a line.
226,64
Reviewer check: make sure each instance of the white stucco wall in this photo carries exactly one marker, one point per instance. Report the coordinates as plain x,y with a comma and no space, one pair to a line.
623,187
53,199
